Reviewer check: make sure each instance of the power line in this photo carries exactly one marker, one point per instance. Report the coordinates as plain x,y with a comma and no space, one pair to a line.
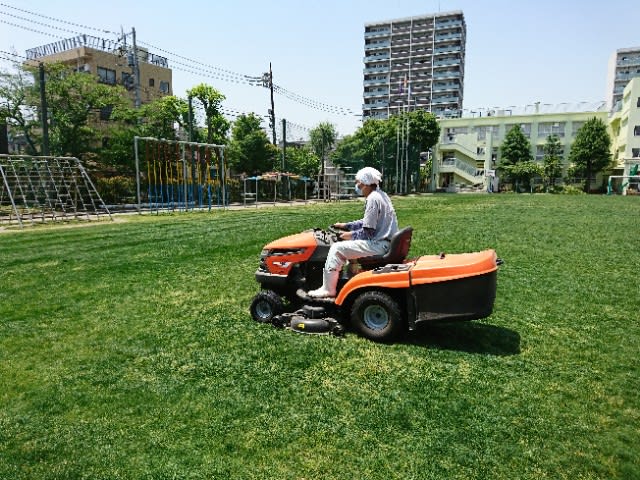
40,23
31,29
57,19
210,70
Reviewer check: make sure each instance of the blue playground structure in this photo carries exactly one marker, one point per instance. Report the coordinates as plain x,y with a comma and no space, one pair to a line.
177,175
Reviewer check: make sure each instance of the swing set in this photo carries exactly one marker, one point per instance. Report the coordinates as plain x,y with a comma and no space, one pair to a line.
177,175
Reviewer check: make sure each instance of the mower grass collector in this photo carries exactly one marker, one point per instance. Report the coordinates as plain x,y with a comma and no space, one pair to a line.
381,296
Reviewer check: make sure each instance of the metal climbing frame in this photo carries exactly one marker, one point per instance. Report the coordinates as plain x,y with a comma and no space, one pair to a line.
177,175
40,189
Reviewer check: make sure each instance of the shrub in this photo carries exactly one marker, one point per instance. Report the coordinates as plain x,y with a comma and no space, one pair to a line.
118,189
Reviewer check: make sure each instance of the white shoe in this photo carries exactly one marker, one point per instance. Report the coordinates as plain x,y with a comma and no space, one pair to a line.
328,288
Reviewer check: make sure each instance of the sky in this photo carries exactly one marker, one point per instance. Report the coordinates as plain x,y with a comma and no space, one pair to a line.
517,52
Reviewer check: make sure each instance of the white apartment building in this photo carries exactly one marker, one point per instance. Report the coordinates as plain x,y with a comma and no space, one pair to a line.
414,62
624,65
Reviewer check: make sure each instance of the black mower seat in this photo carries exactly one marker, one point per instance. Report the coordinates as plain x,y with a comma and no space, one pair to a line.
398,250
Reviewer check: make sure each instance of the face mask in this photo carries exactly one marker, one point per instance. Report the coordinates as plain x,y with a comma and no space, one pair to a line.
358,190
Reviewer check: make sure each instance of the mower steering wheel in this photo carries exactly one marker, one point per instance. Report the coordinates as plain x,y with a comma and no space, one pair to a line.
334,232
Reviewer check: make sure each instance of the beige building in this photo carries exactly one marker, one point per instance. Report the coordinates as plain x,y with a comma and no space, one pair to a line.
113,63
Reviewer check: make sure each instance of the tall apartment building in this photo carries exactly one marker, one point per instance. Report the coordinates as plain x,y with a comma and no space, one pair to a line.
624,65
414,62
111,62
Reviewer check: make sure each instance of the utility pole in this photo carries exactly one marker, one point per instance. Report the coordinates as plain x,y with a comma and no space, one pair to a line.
45,114
136,69
267,81
284,142
190,118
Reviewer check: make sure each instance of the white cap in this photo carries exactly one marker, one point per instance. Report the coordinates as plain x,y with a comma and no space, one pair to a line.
369,176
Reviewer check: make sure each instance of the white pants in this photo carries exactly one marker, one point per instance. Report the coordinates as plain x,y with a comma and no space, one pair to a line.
341,252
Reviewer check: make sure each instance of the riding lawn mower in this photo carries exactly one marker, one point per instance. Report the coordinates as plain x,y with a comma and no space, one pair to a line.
380,296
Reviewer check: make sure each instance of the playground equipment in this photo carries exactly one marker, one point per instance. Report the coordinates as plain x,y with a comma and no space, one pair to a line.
177,175
47,189
622,184
252,192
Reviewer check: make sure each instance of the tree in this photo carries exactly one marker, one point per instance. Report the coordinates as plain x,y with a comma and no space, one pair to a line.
517,160
424,130
302,161
161,116
18,105
250,150
552,160
210,98
591,150
376,144
322,139
75,102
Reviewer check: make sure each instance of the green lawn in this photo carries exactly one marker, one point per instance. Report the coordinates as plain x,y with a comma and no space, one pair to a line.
127,351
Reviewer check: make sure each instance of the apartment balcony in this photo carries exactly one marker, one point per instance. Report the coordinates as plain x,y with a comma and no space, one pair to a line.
377,93
376,70
377,45
448,36
377,81
442,100
447,88
375,58
422,28
379,115
378,33
625,77
448,49
400,42
449,24
401,55
375,105
399,29
446,62
439,75
420,67
629,62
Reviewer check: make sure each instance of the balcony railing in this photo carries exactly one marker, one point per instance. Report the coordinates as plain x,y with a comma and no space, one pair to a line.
377,33
96,43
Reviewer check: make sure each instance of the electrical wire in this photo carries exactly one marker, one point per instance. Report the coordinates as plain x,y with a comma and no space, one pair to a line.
31,29
210,71
40,23
87,27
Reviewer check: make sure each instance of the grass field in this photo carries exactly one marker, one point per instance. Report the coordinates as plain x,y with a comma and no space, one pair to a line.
127,351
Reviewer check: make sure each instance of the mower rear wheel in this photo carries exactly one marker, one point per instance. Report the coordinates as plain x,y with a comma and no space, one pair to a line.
266,305
377,316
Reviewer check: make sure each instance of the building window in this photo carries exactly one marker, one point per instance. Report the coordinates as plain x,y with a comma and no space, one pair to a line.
152,82
638,104
164,87
636,131
635,152
106,75
547,129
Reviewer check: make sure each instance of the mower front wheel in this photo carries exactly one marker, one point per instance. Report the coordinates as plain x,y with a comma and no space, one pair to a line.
376,316
266,305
